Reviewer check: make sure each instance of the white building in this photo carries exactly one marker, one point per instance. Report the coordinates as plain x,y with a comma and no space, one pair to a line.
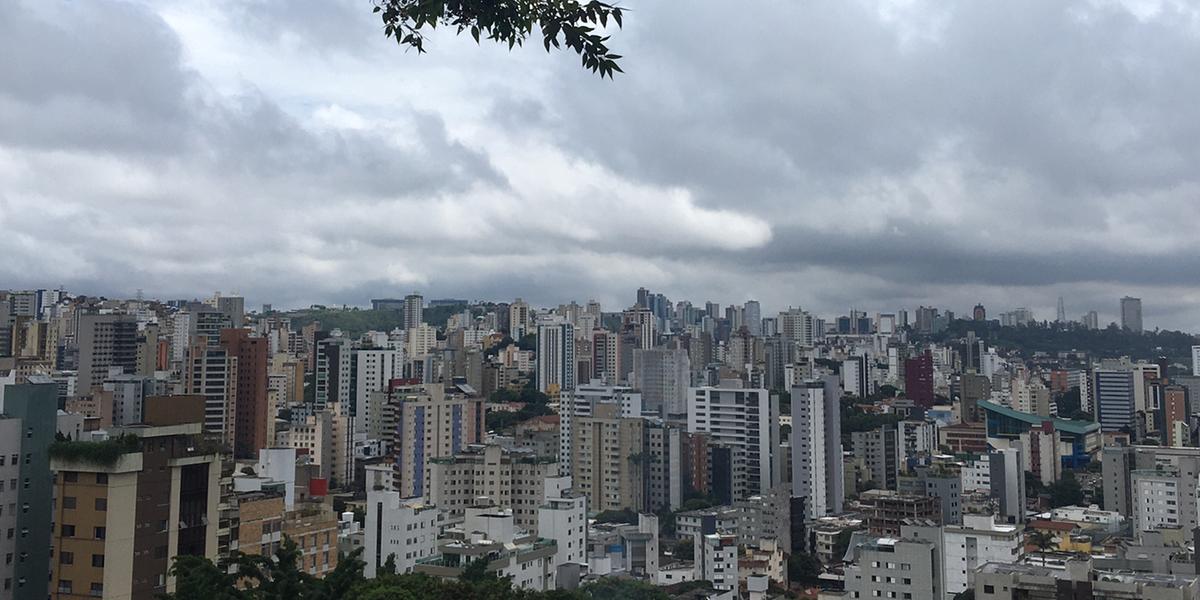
1196,361
404,528
555,356
743,420
1157,499
510,478
816,444
563,518
976,474
716,560
375,369
979,540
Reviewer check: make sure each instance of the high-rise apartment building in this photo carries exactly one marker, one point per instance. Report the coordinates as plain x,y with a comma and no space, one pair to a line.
1113,390
120,524
752,315
251,415
663,375
213,373
374,369
745,422
555,357
582,402
606,453
105,341
414,307
1131,314
918,379
878,451
512,478
643,324
816,445
404,529
27,428
518,319
856,377
428,421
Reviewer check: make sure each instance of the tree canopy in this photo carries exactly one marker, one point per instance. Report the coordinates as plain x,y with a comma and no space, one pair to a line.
577,25
246,577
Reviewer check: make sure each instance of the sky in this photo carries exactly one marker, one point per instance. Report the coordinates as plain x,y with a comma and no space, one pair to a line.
826,154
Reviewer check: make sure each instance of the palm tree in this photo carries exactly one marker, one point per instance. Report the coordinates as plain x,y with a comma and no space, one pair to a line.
1043,540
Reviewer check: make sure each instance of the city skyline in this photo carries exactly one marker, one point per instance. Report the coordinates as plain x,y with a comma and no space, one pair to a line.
284,153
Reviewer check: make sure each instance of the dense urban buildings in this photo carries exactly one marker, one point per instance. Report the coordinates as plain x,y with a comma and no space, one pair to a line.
665,441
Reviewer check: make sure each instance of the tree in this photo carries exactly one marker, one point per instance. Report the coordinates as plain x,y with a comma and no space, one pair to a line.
1065,491
803,568
684,549
1044,541
619,588
573,23
197,578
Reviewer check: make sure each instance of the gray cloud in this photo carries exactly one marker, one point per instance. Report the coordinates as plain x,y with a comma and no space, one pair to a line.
829,154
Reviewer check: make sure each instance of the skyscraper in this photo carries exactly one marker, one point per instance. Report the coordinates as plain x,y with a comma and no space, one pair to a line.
744,422
1114,398
414,306
752,317
816,443
105,341
251,414
1131,314
918,379
555,357
663,376
1062,311
27,427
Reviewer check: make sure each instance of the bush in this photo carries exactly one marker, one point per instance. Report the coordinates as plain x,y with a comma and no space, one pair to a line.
105,453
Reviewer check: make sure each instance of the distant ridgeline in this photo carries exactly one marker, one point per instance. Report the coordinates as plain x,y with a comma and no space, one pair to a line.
1052,338
356,321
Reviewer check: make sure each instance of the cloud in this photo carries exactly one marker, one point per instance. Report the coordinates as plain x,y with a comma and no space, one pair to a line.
870,153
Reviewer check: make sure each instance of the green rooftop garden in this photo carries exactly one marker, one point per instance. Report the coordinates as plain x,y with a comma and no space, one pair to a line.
104,453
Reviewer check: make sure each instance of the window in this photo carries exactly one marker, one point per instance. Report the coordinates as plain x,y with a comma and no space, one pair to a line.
100,533
71,476
68,530
989,589
102,478
97,590
98,560
65,558
101,503
64,586
68,502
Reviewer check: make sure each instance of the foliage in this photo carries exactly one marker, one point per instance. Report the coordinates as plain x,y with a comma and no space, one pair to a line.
841,543
528,342
1065,491
617,588
967,594
536,405
279,577
104,453
854,418
577,24
625,515
1033,485
803,568
355,321
684,549
1111,342
785,401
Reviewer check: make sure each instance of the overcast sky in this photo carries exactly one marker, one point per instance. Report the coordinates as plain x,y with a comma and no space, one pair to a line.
823,154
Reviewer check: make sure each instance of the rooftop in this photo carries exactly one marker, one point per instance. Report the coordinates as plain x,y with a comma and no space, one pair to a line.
1068,425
